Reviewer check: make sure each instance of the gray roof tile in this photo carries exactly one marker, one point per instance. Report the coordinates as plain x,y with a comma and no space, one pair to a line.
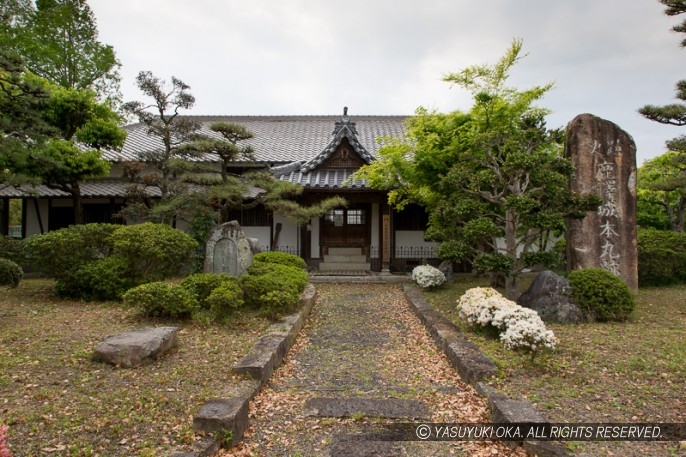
277,139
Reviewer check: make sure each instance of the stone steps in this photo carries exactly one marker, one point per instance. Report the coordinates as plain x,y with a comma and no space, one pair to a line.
345,259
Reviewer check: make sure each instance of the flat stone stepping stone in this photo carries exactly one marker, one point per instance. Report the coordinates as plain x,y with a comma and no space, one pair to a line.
391,408
130,349
362,446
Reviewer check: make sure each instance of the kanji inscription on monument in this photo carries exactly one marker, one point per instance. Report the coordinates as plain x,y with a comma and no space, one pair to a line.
604,159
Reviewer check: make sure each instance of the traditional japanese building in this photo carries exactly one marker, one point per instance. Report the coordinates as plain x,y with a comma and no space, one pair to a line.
320,153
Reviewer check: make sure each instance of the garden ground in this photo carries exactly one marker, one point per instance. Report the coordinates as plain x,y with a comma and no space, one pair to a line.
58,402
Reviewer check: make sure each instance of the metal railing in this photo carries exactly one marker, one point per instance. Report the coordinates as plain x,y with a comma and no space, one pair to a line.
407,252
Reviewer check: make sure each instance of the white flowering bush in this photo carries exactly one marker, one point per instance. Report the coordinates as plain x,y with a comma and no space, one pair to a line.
519,327
427,276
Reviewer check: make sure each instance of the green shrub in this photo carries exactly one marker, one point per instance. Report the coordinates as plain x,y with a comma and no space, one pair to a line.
274,289
281,258
601,295
161,299
153,251
12,249
60,253
10,273
225,299
104,279
218,295
661,257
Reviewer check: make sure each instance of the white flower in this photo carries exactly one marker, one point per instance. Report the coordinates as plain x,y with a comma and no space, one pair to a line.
519,327
427,276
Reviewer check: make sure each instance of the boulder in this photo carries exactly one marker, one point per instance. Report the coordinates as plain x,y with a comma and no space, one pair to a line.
446,268
549,296
130,349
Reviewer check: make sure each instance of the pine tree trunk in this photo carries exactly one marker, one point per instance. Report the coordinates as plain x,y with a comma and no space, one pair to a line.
77,203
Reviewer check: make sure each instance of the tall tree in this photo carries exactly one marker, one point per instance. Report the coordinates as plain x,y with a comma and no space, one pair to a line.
493,179
22,125
162,117
59,41
673,113
72,155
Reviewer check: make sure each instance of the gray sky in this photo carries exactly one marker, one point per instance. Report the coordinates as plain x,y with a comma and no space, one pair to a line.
271,57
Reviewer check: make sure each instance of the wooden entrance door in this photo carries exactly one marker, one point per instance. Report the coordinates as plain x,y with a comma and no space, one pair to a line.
347,227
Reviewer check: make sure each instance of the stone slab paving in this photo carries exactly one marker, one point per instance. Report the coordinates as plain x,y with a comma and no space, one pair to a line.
362,355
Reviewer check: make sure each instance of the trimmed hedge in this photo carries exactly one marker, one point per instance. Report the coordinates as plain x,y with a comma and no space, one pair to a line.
661,257
218,295
102,261
10,273
12,249
280,258
161,299
273,288
601,295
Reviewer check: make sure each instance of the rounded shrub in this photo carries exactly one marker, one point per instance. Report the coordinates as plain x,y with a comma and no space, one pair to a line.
218,295
153,251
601,295
273,288
60,253
661,257
10,273
281,258
104,279
161,299
12,249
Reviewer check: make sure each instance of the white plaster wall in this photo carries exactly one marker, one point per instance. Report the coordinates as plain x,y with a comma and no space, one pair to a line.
412,238
314,245
32,225
289,232
262,233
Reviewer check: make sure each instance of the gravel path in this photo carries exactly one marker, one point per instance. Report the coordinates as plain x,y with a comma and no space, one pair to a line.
361,342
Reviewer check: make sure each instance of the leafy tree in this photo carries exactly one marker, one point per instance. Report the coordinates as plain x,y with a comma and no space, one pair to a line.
22,126
493,179
63,163
662,183
59,42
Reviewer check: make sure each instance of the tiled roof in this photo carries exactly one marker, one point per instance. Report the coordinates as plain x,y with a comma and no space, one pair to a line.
103,188
333,178
277,139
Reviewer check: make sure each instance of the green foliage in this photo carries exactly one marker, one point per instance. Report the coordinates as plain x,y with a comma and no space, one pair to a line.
495,173
601,295
153,251
12,249
104,279
661,257
218,295
161,299
281,258
225,299
274,289
60,253
10,273
662,192
101,261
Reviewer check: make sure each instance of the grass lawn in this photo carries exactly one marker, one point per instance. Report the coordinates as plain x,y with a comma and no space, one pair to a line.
613,372
57,401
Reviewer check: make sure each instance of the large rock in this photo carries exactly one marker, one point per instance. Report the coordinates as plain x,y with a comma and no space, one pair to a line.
604,159
549,296
228,250
130,349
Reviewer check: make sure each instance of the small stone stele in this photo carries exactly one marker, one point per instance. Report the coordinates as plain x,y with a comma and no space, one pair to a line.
228,250
134,348
549,296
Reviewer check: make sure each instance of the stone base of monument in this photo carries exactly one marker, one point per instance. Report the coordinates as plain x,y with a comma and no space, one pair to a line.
134,348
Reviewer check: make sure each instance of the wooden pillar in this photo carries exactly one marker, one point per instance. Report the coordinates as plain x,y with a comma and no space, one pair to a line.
385,238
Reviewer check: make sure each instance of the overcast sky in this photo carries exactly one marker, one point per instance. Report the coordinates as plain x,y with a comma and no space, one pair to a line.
289,57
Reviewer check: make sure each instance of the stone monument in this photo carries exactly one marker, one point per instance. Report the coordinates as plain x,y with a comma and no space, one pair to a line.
604,159
228,250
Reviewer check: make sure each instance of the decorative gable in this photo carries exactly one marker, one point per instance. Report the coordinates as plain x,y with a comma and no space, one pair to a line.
343,151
